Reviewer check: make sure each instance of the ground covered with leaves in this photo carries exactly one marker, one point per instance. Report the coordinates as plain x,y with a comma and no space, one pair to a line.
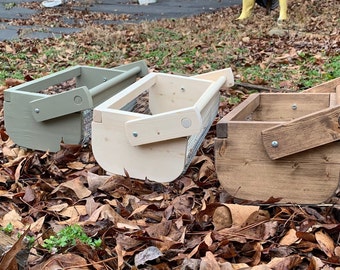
70,215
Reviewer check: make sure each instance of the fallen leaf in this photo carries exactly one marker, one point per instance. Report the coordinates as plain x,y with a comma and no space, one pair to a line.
222,218
285,263
29,194
325,242
240,213
77,186
209,262
147,255
76,165
12,217
289,238
63,261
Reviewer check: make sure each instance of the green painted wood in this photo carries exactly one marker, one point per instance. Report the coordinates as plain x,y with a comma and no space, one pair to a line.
39,121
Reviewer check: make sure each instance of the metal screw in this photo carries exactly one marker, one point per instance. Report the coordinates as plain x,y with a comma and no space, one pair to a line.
78,100
104,79
183,89
36,110
294,106
186,122
275,144
134,134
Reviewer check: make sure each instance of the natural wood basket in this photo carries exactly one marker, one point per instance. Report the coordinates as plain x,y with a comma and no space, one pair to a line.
282,145
160,145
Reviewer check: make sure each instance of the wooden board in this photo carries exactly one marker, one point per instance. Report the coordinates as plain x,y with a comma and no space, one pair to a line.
288,106
322,127
246,172
163,161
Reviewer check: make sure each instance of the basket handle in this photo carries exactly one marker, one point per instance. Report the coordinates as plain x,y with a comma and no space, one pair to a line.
173,124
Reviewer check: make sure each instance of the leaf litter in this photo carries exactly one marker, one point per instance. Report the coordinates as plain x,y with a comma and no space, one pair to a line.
190,223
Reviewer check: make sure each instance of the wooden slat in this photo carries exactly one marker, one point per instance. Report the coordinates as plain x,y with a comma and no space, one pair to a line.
303,133
246,172
288,106
241,112
327,87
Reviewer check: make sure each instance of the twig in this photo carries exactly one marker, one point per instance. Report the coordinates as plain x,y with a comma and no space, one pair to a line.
262,88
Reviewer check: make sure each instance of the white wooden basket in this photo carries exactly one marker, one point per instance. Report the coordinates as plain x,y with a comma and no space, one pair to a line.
158,145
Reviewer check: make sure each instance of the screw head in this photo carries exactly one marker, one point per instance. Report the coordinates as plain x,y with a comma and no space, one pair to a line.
294,107
186,122
36,110
275,144
134,134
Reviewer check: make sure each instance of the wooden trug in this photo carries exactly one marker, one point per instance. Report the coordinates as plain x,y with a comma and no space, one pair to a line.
281,145
158,146
41,121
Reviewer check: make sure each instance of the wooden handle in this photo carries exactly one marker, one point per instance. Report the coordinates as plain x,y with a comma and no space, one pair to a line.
114,81
303,133
210,93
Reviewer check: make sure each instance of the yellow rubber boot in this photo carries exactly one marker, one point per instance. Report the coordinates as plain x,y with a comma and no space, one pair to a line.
247,7
283,10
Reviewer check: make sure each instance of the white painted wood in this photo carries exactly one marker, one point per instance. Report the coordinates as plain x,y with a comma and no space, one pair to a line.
214,75
162,161
163,126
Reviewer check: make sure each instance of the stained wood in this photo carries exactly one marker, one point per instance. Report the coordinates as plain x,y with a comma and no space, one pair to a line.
245,169
304,133
246,172
288,106
241,112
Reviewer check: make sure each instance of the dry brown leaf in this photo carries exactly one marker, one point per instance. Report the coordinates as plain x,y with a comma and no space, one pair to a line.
255,217
73,211
222,218
3,88
107,212
209,262
120,255
10,82
285,263
325,242
77,186
76,165
36,226
91,205
148,254
57,207
12,217
94,181
240,213
62,261
289,238
337,251
29,194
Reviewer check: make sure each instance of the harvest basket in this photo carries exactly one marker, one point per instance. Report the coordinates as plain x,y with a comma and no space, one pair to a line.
159,142
40,119
282,145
